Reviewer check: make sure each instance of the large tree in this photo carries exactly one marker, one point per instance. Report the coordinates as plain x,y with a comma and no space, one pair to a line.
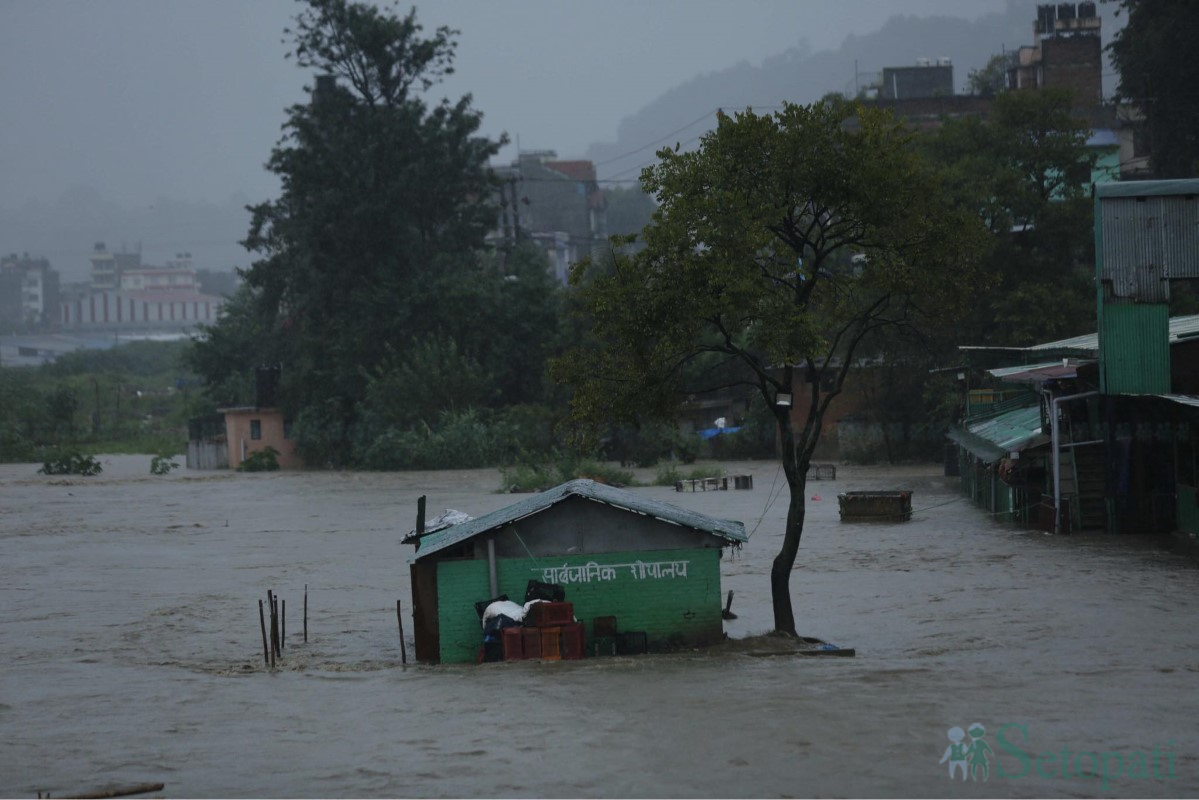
780,244
385,200
1025,171
1154,54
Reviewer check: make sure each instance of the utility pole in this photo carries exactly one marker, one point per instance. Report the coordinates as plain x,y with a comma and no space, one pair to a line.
515,212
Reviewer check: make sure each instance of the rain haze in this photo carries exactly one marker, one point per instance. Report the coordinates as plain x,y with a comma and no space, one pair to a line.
142,123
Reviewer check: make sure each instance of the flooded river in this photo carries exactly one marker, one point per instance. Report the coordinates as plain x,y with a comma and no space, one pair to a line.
131,652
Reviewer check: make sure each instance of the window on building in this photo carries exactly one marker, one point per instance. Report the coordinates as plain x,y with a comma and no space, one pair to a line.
255,429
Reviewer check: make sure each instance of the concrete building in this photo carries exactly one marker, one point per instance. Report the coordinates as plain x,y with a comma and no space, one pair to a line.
925,79
226,439
556,204
1066,53
148,310
29,292
251,429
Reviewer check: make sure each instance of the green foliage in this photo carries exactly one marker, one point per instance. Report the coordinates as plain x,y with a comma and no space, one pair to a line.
457,440
373,288
1026,173
139,359
226,354
380,206
991,79
122,400
749,268
416,383
629,210
647,443
162,465
747,265
139,443
598,471
70,462
461,439
264,460
1153,53
528,478
536,478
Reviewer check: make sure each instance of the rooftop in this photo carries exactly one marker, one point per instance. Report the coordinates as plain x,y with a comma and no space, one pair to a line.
732,532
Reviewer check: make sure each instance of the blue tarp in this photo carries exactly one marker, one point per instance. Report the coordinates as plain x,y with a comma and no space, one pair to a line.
712,433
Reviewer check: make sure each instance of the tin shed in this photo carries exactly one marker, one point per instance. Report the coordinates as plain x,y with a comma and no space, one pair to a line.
652,565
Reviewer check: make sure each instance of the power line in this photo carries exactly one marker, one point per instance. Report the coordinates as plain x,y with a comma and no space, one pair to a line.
659,140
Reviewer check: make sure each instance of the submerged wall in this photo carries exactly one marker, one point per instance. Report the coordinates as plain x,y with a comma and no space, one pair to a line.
672,595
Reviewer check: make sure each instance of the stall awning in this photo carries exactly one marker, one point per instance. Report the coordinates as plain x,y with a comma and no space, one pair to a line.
995,437
1040,373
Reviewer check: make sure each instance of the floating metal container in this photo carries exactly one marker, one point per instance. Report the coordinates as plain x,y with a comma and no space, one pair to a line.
883,506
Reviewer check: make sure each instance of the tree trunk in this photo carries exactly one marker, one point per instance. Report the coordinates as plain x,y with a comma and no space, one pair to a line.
780,570
795,467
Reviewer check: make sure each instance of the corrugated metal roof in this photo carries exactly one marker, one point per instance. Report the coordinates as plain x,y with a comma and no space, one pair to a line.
1147,242
1180,328
590,490
1039,373
1147,188
992,439
1184,399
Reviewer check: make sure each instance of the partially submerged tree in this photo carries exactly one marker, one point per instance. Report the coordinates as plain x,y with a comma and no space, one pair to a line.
779,246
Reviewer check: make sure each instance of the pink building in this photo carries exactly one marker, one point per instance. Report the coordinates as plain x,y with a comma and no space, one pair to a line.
249,429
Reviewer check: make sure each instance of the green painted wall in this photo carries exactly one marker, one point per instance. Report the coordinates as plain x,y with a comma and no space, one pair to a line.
1187,509
684,609
1134,348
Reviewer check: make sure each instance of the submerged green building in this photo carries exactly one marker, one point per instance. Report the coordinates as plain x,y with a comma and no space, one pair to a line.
653,566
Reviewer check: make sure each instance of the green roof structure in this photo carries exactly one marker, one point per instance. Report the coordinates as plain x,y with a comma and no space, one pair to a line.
995,437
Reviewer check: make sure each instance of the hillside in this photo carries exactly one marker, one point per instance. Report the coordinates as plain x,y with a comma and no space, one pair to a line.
801,75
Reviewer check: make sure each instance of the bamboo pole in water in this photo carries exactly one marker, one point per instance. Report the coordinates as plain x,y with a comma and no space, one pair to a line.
266,653
283,636
305,613
270,601
403,648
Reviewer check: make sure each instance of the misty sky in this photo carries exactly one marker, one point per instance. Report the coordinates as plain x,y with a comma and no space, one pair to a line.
183,99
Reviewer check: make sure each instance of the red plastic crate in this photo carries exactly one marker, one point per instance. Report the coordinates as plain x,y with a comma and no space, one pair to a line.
604,627
513,644
551,643
543,615
531,642
574,640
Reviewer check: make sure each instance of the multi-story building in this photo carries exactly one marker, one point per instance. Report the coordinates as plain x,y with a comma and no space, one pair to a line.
1066,52
556,204
28,291
126,294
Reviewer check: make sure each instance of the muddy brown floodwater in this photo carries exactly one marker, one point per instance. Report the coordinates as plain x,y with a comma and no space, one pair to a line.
131,652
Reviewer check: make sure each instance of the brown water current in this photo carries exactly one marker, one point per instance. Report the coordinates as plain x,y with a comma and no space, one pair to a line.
130,651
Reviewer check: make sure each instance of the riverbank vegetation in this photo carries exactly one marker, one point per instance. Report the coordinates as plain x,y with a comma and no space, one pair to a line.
134,398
